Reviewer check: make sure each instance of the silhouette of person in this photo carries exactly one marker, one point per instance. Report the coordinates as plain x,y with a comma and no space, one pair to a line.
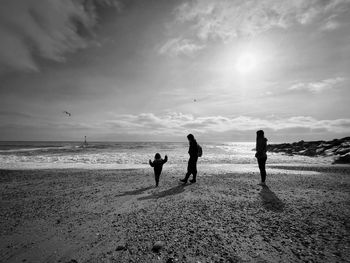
158,166
192,162
261,143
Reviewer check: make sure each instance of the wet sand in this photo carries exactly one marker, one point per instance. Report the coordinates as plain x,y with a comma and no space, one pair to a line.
118,215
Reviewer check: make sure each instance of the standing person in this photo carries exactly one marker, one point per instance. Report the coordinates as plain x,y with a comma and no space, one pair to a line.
158,166
192,162
261,143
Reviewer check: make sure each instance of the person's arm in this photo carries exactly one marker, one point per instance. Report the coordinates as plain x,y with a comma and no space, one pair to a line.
165,159
258,148
151,163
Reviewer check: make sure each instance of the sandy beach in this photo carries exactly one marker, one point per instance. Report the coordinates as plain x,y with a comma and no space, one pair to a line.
118,216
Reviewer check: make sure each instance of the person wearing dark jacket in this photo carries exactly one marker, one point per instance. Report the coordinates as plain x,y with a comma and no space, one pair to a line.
261,144
192,162
158,166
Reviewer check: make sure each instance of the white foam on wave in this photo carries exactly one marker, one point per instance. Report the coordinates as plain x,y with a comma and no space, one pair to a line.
115,157
19,150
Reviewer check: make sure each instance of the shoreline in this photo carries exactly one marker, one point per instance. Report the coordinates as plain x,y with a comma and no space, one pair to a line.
118,215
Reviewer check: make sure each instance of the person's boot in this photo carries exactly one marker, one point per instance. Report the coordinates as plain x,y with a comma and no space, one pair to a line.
194,178
183,180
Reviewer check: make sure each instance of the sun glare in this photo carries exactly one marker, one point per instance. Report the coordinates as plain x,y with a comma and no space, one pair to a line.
246,63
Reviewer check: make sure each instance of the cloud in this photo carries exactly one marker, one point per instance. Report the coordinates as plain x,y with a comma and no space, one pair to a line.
316,87
178,46
330,23
149,126
227,19
175,124
44,28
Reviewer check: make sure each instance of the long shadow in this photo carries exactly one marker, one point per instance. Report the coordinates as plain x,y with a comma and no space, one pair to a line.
172,191
136,192
270,200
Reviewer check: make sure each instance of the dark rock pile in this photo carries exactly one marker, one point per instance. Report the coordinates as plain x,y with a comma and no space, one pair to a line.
339,148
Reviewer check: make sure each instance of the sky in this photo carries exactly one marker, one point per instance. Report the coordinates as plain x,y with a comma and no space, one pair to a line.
156,70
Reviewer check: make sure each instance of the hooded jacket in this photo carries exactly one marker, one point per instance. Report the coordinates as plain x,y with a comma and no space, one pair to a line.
158,164
193,149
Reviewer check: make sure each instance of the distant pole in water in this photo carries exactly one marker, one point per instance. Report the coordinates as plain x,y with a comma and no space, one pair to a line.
85,142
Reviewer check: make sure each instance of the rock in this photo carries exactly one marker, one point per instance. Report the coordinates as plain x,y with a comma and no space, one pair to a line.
345,144
158,246
315,148
121,246
336,142
343,158
309,152
342,151
329,152
326,145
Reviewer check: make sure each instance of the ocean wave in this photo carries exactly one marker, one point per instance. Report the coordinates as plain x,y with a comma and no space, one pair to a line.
136,154
44,149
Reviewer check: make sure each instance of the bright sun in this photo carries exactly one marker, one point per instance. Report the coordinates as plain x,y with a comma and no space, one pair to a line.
246,63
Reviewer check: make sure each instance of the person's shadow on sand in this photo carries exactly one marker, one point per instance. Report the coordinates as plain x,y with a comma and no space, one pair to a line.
172,191
270,200
136,192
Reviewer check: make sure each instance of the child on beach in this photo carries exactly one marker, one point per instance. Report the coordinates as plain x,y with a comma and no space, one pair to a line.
158,165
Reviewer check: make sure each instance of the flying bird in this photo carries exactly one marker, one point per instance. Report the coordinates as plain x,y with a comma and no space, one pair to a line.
66,112
194,100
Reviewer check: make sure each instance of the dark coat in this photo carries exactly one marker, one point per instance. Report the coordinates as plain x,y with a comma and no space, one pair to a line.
193,149
261,145
158,164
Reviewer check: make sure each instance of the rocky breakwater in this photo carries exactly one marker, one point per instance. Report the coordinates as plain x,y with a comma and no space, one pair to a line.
339,148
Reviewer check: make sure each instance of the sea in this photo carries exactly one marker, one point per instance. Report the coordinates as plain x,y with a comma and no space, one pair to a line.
135,155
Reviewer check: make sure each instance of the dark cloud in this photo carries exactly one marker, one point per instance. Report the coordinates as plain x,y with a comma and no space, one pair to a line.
45,29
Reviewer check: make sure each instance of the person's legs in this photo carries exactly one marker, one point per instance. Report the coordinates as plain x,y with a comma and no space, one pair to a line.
193,168
194,177
189,171
186,176
157,175
262,164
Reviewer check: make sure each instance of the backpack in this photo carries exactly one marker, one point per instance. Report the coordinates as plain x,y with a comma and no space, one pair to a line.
200,150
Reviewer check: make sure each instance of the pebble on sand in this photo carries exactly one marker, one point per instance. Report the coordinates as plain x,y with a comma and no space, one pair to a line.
121,246
158,246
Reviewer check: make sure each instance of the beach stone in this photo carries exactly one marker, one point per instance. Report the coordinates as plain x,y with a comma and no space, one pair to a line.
158,246
343,158
121,246
315,148
342,151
